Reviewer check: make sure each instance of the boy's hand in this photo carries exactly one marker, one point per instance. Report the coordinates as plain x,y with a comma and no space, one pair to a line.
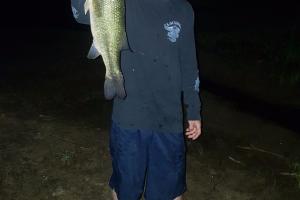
194,129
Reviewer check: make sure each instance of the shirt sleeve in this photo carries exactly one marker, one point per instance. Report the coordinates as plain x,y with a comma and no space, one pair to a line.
189,69
78,12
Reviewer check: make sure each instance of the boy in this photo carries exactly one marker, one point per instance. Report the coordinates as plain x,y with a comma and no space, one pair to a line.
146,137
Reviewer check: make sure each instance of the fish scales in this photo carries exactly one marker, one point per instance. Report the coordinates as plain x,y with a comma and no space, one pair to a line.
107,19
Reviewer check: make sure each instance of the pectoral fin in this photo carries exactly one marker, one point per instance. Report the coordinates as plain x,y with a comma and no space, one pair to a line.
86,6
93,53
125,44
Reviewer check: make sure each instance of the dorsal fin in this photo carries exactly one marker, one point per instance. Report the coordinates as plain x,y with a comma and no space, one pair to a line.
86,6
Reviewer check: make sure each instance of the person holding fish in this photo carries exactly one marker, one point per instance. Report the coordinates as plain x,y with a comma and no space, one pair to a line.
152,76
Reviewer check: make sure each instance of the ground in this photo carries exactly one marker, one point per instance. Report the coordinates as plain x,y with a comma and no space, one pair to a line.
54,131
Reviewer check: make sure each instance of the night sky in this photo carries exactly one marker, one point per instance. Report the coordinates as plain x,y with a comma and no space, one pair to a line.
211,14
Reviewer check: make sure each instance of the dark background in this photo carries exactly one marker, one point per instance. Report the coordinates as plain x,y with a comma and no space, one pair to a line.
54,120
212,14
242,31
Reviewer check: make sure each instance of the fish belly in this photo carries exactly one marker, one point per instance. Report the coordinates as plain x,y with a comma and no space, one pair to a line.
108,30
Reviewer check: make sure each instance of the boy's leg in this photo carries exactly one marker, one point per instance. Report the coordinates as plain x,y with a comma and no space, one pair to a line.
166,179
179,198
114,194
128,151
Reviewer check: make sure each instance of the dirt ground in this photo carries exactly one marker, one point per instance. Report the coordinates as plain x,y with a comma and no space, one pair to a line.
54,137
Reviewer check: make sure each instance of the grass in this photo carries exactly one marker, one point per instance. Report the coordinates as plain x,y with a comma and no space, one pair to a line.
66,157
297,172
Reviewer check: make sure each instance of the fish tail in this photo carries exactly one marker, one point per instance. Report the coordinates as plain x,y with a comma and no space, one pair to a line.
109,89
120,89
114,87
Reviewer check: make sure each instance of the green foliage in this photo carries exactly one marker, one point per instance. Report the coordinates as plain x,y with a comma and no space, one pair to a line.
66,157
297,172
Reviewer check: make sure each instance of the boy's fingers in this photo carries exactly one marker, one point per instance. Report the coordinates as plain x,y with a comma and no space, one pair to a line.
196,136
193,137
191,132
199,132
190,135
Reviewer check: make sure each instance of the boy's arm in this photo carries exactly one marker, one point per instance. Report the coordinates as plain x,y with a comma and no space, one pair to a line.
189,70
78,12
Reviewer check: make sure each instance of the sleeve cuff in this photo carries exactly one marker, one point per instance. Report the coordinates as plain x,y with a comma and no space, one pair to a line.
193,114
192,105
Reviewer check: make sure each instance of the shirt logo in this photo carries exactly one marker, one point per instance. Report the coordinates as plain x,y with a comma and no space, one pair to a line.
75,12
173,28
197,83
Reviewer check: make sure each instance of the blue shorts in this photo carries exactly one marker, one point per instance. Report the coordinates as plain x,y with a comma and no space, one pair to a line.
147,159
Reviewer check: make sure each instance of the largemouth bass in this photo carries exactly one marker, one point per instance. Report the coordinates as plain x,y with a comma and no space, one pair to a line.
107,21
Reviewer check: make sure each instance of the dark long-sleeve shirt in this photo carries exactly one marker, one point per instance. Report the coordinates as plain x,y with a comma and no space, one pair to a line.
160,68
